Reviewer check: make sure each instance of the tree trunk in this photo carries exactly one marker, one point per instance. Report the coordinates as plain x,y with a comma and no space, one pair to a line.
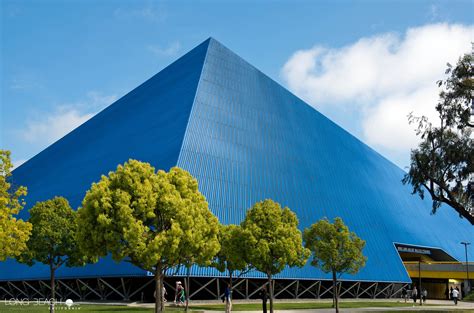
186,288
335,291
53,291
270,288
158,289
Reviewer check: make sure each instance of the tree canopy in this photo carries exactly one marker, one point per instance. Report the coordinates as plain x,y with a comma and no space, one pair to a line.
274,238
443,162
155,220
13,232
233,253
52,240
335,249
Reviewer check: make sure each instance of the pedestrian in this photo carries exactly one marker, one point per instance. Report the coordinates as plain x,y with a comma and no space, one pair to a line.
164,294
177,291
451,292
455,295
424,294
228,299
264,296
404,294
459,293
182,297
163,298
414,294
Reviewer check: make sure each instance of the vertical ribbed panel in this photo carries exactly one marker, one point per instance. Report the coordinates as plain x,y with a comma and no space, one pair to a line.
249,139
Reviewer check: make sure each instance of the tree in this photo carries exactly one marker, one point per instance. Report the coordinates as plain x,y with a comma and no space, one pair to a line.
335,250
275,240
52,240
13,232
232,256
199,243
443,162
147,218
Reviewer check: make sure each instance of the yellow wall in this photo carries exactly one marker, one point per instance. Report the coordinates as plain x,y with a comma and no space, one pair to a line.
443,275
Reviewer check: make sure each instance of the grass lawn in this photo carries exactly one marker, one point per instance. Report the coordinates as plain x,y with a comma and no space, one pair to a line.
236,307
301,305
63,308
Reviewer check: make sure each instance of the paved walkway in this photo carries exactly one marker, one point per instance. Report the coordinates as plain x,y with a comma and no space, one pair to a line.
440,305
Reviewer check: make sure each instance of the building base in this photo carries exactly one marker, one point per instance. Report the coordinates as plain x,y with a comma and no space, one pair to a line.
201,288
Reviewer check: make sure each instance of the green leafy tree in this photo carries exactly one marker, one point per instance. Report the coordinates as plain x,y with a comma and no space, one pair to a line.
443,162
335,250
232,256
52,240
200,242
147,218
274,238
13,232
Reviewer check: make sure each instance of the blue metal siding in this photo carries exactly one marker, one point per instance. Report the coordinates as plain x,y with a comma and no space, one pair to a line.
147,124
249,139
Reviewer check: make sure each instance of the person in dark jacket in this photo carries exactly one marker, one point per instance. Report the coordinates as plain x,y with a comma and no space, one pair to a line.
228,299
264,296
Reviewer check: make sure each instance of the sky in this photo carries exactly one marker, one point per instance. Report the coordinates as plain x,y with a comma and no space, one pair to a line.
364,64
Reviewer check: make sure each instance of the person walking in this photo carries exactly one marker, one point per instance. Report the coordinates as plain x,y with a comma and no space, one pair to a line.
164,294
264,296
163,297
414,294
228,299
424,294
182,297
177,291
455,295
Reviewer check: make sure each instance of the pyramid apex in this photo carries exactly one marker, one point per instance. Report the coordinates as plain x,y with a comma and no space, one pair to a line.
212,39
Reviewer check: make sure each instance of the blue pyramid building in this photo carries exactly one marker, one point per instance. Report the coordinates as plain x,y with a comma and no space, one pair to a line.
245,138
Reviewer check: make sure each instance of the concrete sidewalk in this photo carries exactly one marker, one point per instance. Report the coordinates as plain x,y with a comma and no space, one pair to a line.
432,305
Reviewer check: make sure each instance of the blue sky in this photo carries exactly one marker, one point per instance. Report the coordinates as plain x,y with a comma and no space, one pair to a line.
365,64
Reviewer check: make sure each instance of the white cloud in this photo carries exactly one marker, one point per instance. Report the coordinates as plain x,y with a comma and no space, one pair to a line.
385,77
50,127
97,101
169,51
385,124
